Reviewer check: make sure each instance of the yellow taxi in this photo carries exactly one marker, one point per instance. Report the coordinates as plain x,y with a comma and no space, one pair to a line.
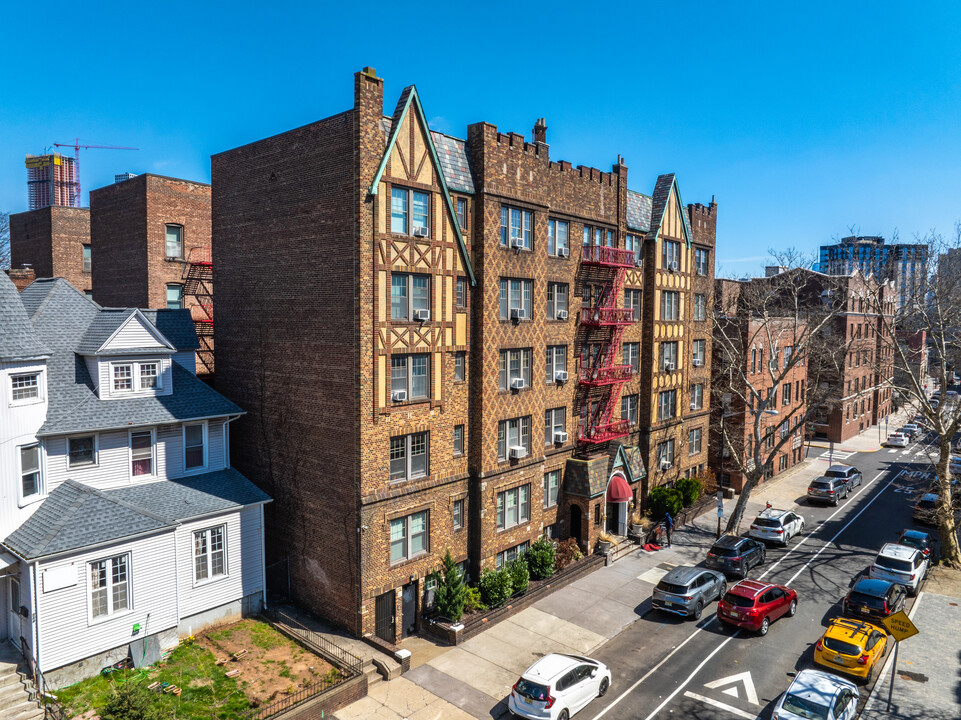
853,647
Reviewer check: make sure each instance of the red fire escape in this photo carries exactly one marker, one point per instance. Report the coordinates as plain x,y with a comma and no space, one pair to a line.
607,321
198,279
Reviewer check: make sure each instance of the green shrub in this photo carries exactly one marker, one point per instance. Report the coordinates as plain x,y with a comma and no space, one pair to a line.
451,593
473,602
690,489
495,587
540,559
664,500
132,701
520,576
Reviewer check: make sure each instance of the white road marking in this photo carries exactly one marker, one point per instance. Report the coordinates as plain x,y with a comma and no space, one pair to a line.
719,704
892,451
744,678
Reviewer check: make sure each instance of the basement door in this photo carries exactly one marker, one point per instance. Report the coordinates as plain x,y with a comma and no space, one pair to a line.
384,616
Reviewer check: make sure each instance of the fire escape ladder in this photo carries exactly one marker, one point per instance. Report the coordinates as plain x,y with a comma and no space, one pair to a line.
198,279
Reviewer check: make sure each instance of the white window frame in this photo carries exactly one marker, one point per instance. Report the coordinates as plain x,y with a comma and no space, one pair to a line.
671,252
631,355
410,308
555,241
505,367
153,454
629,409
517,223
665,451
632,300
207,534
700,307
511,554
699,345
96,454
111,612
33,400
206,447
521,497
558,298
668,353
180,296
407,537
460,367
408,363
458,440
39,494
87,256
699,267
667,400
180,241
523,431
697,396
457,513
408,442
557,422
555,359
409,227
136,376
694,440
552,487
670,312
519,299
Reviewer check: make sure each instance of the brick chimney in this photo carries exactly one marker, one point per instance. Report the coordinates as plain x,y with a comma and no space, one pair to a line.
540,131
22,276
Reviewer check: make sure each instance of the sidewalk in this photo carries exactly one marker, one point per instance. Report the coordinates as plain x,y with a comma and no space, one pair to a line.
869,440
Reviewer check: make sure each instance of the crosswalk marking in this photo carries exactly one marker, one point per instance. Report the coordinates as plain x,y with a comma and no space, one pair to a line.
837,454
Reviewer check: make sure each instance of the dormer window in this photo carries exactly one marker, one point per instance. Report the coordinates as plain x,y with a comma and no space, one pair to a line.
136,376
122,378
149,374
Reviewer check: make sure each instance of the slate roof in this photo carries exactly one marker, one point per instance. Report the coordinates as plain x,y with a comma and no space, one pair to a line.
18,340
663,188
75,516
638,212
175,325
454,162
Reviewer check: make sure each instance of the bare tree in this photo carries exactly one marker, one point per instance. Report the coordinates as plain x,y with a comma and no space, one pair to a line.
926,318
4,240
779,350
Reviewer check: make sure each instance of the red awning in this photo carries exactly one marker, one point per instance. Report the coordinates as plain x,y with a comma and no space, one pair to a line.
618,490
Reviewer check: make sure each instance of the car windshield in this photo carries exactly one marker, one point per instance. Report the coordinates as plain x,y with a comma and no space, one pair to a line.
672,588
857,598
739,600
836,473
839,646
893,563
725,552
914,542
802,707
532,690
767,523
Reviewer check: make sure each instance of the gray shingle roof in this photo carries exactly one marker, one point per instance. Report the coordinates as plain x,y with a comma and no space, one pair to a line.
36,292
663,188
75,516
175,325
454,162
18,340
638,212
101,328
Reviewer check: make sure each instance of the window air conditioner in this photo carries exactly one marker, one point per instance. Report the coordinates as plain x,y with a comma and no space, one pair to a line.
665,465
693,406
517,384
422,315
637,262
560,376
672,266
698,362
669,367
517,452
399,396
561,315
563,252
560,437
420,232
518,314
517,243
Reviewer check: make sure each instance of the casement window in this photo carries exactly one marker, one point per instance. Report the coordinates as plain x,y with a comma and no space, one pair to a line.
109,586
409,374
632,300
694,441
461,300
142,453
25,387
516,227
512,554
175,241
408,536
631,355
556,300
513,507
458,439
555,420
29,470
175,299
558,237
195,446
462,213
514,365
667,405
629,409
210,553
408,295
408,456
699,352
700,261
697,396
635,244
668,356
552,483
82,451
128,377
665,453
409,212
700,307
86,259
555,361
457,512
515,432
786,394
671,255
460,366
670,302
516,295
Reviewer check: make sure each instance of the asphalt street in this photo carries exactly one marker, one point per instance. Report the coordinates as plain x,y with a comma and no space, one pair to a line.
664,666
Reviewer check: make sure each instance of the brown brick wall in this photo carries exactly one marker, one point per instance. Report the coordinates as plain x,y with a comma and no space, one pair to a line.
51,241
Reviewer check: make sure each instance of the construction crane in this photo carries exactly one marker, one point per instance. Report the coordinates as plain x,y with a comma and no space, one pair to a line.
76,154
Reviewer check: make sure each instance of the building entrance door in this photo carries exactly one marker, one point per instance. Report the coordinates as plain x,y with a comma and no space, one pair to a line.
576,523
409,603
384,617
13,611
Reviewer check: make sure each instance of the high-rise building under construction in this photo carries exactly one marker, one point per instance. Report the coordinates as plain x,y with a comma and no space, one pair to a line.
52,180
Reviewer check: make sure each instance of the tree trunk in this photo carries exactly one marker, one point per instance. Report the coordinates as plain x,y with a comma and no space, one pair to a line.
944,512
734,522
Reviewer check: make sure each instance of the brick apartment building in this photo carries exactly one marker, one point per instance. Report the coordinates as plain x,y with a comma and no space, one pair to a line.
151,249
55,242
448,347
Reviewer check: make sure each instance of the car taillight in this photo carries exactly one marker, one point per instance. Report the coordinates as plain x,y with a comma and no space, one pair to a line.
688,597
710,554
863,660
830,492
779,532
818,646
753,527
912,577
735,559
549,702
810,489
885,607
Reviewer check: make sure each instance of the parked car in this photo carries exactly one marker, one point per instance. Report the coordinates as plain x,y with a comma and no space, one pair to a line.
816,695
954,465
924,508
557,686
951,393
901,564
776,525
755,605
734,555
897,440
919,540
850,474
686,590
826,489
874,599
909,431
853,647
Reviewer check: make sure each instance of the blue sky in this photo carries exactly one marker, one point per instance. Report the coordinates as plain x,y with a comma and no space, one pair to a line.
803,120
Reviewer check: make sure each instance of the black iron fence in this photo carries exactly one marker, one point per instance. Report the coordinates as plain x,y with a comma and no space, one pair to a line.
52,710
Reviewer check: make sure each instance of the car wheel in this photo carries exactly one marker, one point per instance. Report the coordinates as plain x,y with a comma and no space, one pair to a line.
765,624
602,690
792,611
564,715
835,503
696,612
763,557
721,590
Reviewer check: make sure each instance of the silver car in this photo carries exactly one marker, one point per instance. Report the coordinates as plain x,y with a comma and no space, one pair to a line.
850,474
686,590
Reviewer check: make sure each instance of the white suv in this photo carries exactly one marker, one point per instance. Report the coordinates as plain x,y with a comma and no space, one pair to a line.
557,686
900,564
776,525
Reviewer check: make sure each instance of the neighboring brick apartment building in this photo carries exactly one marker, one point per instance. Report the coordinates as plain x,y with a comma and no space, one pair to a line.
148,232
55,242
433,351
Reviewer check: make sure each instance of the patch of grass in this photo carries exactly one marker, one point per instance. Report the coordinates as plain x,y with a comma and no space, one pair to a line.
284,670
264,636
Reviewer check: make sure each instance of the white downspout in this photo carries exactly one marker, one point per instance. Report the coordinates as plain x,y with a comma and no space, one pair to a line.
263,559
35,606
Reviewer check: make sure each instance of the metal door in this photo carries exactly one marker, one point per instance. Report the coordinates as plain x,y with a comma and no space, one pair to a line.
385,608
13,610
409,602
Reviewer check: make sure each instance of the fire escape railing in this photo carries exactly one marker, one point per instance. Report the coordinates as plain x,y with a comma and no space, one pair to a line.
198,277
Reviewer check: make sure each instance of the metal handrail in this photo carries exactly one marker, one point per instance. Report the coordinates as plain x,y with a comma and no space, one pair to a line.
602,255
52,709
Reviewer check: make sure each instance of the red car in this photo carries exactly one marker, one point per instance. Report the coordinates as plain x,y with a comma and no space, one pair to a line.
755,605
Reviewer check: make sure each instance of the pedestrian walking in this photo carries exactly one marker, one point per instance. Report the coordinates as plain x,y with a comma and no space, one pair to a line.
668,527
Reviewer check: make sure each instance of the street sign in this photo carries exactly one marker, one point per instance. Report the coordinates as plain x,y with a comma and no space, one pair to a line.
720,500
900,626
720,513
